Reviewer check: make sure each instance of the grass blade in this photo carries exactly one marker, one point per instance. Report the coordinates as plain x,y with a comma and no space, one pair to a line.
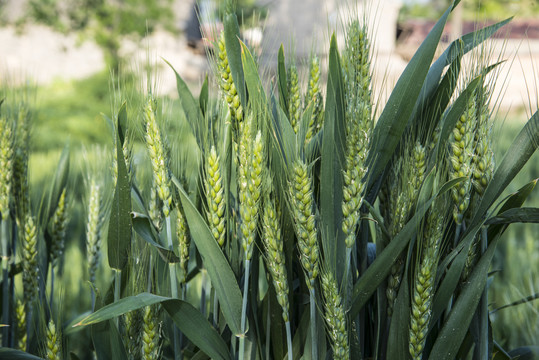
120,226
454,330
332,155
396,114
221,275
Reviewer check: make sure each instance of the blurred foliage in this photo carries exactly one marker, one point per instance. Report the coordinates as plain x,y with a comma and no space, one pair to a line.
105,21
472,9
516,279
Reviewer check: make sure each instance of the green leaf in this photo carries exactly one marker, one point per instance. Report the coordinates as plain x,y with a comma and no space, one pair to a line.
120,227
143,226
332,158
457,48
189,320
517,215
203,97
397,345
378,271
451,279
515,158
399,107
191,108
525,353
257,96
515,200
57,186
12,354
221,275
454,330
107,341
233,53
524,300
281,81
196,327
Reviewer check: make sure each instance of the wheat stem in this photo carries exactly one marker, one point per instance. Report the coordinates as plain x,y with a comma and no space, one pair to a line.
173,285
244,308
117,291
289,340
312,300
5,282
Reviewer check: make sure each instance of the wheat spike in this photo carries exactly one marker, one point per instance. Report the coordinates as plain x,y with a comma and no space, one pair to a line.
314,95
6,158
213,184
423,285
30,273
132,325
227,83
461,154
335,317
53,342
158,156
294,100
302,208
150,334
93,229
359,126
182,233
250,190
20,318
58,225
275,258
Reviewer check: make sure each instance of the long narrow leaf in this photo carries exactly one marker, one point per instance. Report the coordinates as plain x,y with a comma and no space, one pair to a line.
222,277
400,104
331,166
120,227
454,330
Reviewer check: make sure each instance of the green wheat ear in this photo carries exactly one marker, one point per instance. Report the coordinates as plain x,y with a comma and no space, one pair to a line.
150,336
58,225
158,156
301,200
215,195
460,156
359,125
6,158
335,317
182,234
294,100
30,273
227,84
275,257
425,274
20,331
314,95
53,342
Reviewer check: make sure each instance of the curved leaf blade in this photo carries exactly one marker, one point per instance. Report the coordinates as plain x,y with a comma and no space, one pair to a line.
222,277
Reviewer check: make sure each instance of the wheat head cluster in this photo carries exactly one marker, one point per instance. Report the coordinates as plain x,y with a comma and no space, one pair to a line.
315,222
